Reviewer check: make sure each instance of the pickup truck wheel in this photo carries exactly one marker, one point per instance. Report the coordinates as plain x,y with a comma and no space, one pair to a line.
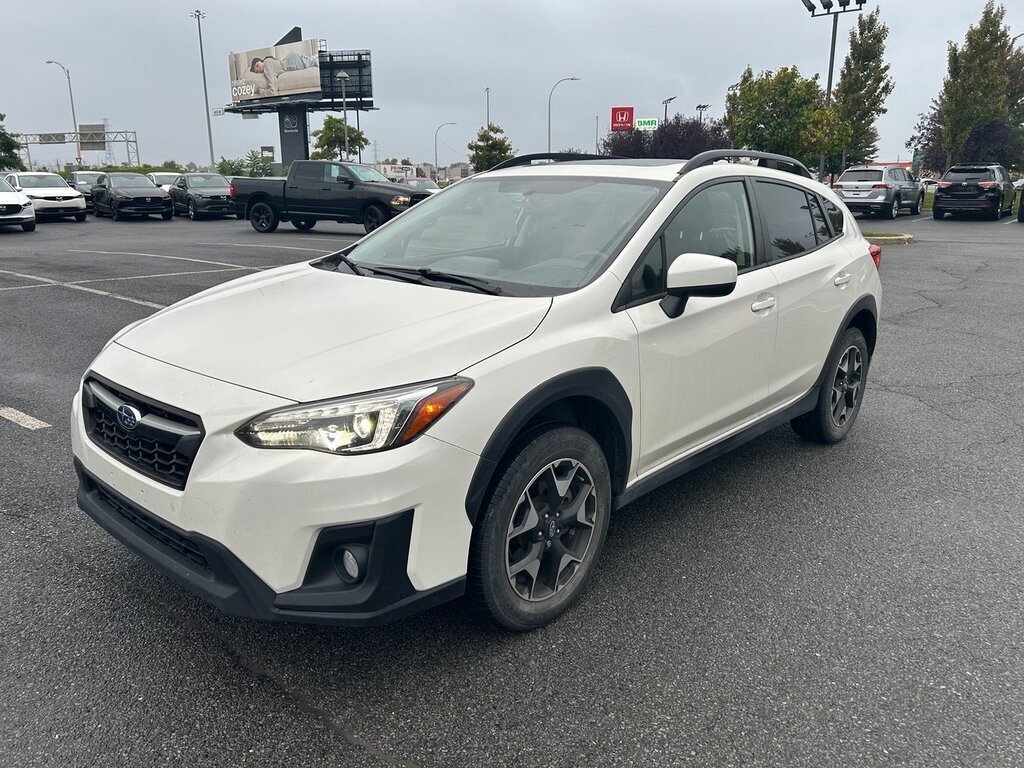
915,209
264,218
303,224
373,217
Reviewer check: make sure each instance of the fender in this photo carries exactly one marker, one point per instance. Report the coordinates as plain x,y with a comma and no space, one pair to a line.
867,302
595,383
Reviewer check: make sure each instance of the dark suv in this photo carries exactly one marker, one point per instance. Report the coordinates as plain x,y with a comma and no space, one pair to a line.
974,188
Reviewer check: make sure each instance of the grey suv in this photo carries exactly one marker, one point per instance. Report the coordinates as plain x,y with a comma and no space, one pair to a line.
882,189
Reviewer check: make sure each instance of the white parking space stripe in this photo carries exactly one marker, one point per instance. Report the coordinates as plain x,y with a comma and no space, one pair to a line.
164,274
23,287
282,247
74,287
924,218
22,419
1011,221
173,258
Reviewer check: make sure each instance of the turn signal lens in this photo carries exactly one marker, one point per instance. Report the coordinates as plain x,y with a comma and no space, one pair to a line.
431,409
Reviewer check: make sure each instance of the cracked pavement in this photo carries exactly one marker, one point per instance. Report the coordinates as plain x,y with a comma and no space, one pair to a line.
786,605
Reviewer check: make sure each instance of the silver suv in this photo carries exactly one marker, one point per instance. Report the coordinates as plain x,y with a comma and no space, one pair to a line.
881,189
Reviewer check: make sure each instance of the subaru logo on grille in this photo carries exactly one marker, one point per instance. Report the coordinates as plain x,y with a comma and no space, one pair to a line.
128,417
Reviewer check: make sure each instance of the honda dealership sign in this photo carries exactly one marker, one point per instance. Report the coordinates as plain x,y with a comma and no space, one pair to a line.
622,118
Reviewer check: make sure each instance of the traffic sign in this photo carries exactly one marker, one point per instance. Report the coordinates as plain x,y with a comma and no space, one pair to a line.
646,124
622,118
217,111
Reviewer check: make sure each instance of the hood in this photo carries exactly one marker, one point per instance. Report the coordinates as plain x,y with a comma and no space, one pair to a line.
51,191
395,188
306,334
13,198
140,191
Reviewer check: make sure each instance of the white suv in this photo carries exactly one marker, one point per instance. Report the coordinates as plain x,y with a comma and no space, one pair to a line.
458,402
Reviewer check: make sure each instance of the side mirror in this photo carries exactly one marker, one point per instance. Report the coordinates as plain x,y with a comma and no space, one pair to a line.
17,189
696,274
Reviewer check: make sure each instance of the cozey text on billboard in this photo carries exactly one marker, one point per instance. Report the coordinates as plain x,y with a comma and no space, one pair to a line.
279,70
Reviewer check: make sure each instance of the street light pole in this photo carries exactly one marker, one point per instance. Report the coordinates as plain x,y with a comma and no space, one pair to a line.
701,109
442,125
597,148
74,120
343,76
552,93
487,94
198,15
665,103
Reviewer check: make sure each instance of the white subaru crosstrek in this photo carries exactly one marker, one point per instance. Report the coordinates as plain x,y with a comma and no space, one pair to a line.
459,401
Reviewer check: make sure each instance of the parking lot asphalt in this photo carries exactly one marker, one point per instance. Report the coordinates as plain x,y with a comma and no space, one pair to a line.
787,605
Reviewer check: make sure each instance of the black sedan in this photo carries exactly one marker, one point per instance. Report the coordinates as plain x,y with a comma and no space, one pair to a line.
202,194
129,194
83,181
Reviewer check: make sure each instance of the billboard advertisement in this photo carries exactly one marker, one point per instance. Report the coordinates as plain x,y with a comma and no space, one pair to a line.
622,118
279,70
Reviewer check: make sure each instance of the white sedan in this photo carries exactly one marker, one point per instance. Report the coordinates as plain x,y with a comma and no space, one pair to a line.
50,194
15,208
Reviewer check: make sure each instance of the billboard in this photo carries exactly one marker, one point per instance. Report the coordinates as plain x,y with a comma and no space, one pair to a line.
622,118
646,124
92,137
279,70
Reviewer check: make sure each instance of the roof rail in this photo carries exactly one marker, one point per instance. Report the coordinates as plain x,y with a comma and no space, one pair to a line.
557,157
764,160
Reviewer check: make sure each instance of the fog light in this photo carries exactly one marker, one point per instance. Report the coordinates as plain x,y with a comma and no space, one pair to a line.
350,563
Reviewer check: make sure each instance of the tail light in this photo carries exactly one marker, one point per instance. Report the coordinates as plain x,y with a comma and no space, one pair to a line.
231,191
988,184
881,186
837,186
876,255
944,184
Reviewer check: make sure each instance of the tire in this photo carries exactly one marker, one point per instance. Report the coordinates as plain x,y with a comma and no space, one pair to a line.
115,214
1020,210
997,214
373,217
915,209
938,213
894,211
540,461
29,226
846,376
303,224
191,212
81,216
239,215
263,217
167,215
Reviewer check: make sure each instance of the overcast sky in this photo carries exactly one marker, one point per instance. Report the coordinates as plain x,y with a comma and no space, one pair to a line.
136,62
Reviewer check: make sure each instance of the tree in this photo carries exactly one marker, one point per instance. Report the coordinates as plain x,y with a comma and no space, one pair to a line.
330,140
9,146
172,164
774,112
490,148
631,143
864,85
684,137
227,167
406,161
255,164
191,166
827,134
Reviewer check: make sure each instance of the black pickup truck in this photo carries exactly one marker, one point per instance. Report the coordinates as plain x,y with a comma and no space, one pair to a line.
318,190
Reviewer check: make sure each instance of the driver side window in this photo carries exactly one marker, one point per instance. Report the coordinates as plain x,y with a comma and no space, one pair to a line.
334,173
715,221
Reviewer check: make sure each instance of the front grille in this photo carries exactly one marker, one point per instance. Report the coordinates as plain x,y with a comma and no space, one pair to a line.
154,201
162,445
161,534
7,210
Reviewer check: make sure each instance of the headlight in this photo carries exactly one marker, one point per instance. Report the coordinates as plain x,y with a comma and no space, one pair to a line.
358,424
197,196
122,196
31,197
26,206
400,201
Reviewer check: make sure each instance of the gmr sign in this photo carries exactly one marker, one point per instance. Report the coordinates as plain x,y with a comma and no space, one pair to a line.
622,118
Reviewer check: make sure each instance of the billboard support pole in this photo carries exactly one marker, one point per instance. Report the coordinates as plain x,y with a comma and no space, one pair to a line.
198,15
360,150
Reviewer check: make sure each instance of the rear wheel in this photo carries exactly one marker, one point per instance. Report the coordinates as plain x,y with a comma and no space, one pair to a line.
997,214
938,213
303,224
1020,210
915,209
263,218
840,394
536,543
373,217
894,210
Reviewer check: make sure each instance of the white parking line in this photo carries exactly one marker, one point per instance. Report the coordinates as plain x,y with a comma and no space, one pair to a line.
164,274
22,419
924,218
1011,221
23,287
172,258
282,247
74,287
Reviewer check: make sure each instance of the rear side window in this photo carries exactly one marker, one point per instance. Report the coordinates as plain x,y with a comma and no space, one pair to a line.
309,172
865,175
787,214
969,174
821,230
835,216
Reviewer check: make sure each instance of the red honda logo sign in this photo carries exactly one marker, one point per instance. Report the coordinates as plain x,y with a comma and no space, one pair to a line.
622,118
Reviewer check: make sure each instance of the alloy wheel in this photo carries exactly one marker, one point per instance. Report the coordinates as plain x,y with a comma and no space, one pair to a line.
551,529
847,385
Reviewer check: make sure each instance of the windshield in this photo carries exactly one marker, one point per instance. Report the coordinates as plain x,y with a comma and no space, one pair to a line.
86,178
39,180
122,181
861,176
530,236
969,174
207,180
5,187
421,183
165,178
363,173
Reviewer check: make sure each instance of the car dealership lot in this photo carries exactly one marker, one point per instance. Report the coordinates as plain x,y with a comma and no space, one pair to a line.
785,605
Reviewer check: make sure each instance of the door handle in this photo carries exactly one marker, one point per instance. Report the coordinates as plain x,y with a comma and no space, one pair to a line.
843,278
760,304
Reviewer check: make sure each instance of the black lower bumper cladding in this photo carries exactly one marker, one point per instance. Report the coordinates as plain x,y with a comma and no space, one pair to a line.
208,569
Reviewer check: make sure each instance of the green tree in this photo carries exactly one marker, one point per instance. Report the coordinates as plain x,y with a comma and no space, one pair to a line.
330,140
172,164
684,137
827,133
631,143
9,146
227,167
864,85
490,148
255,164
773,112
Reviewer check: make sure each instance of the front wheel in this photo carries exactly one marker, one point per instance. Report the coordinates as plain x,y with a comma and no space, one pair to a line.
373,217
167,215
303,224
81,216
264,218
841,392
115,214
29,226
915,209
191,210
542,529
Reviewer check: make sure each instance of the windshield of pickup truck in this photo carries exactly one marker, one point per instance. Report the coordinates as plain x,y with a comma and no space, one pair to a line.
363,173
525,236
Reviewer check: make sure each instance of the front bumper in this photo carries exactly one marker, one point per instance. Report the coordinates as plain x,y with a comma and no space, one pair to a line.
260,517
67,207
139,209
18,218
208,206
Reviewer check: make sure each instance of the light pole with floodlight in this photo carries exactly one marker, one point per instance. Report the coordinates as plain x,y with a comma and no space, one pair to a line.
665,104
701,109
436,169
71,95
198,15
552,93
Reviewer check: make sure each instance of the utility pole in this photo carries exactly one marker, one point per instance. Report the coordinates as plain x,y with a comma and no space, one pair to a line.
74,120
552,93
666,102
198,15
487,94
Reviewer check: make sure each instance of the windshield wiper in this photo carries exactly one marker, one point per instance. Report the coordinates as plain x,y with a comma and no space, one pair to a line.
341,257
407,275
476,283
